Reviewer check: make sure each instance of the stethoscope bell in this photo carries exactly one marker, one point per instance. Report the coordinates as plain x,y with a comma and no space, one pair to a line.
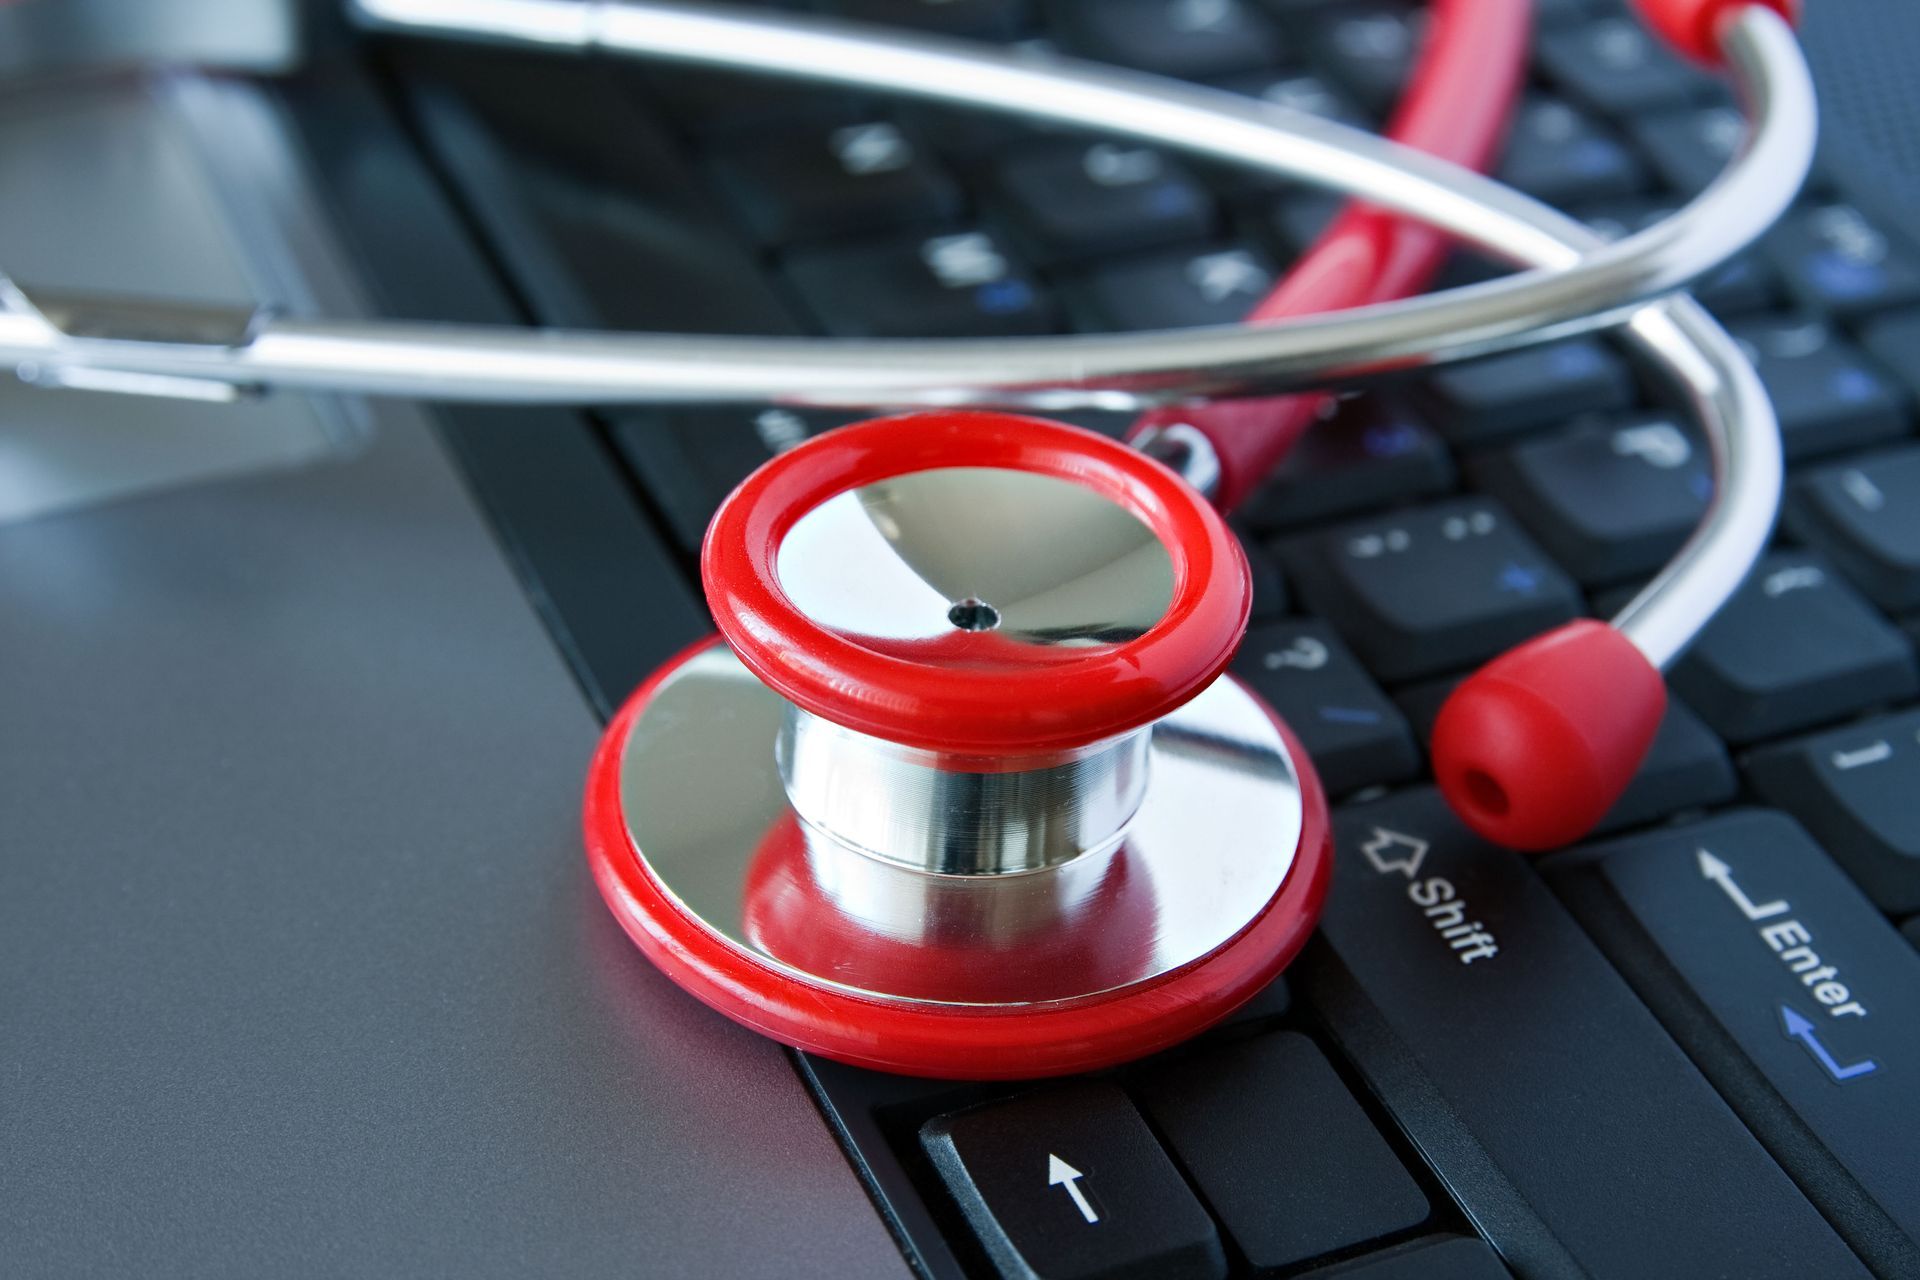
961,789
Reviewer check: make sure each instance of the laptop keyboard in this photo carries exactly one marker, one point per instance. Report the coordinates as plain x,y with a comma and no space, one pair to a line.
1677,1051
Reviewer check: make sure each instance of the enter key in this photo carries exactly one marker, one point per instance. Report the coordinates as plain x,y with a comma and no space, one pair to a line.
1793,994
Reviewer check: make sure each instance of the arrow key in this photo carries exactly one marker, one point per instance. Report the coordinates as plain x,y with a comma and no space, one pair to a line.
1283,1152
1070,1184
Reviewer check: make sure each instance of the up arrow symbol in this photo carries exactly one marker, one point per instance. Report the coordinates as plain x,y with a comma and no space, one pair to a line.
1722,874
1062,1174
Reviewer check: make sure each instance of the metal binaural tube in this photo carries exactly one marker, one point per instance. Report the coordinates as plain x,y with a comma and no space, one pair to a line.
1583,283
1579,282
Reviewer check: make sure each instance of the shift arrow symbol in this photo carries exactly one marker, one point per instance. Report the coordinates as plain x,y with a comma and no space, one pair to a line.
1798,1028
1062,1174
1722,874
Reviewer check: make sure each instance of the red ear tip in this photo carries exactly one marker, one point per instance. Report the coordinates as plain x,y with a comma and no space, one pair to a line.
1693,26
1534,748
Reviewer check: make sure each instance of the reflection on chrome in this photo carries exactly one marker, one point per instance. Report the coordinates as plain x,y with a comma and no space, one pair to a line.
977,560
1214,827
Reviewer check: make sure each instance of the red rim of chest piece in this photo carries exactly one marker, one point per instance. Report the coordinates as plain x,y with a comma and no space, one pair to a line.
974,1042
992,709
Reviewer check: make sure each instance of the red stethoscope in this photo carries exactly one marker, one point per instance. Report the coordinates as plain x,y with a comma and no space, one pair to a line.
962,787
918,925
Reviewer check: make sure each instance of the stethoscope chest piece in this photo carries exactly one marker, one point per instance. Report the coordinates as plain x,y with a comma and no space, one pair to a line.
961,789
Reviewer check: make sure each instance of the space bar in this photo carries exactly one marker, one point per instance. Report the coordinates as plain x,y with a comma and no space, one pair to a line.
1569,1126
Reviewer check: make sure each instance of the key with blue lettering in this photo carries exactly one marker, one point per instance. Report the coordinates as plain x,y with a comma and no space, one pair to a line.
1827,393
1429,590
1835,258
1216,285
1373,451
1567,1124
1794,995
1483,400
1557,153
1609,502
851,179
951,284
1071,201
1355,734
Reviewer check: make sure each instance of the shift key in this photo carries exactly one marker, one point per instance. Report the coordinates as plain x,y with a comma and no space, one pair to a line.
1566,1122
1795,996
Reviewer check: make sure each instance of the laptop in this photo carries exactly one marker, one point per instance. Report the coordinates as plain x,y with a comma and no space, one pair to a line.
301,968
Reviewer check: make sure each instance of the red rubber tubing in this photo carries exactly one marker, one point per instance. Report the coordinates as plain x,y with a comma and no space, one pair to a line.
1693,26
1456,106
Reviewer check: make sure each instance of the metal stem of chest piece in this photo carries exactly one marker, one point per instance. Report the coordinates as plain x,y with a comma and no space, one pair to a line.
955,815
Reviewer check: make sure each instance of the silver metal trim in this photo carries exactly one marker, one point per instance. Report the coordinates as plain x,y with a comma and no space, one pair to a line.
1583,283
959,817
1186,450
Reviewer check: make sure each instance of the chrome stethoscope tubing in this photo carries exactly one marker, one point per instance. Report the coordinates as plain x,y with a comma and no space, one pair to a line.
1578,281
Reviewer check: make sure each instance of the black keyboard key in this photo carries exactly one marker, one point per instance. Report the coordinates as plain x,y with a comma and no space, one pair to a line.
1865,514
711,104
1298,90
602,227
1911,931
1563,13
1854,788
1452,1258
1280,1150
1618,67
1795,647
1421,702
1271,1003
1686,768
1175,290
957,284
1070,201
1431,589
853,178
1834,258
1269,583
1295,218
1373,451
1193,39
1483,400
1690,147
1768,966
1354,733
1894,340
1559,154
1563,1118
1370,50
1827,393
1070,1184
1608,503
973,141
689,459
973,19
